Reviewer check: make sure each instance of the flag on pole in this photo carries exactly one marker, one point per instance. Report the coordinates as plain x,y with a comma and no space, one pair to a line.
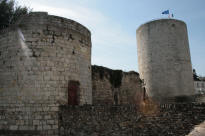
165,12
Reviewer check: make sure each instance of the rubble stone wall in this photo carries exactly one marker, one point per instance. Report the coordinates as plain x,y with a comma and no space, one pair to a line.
104,120
115,86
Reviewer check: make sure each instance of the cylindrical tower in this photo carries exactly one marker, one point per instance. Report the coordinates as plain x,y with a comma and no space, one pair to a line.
42,57
164,59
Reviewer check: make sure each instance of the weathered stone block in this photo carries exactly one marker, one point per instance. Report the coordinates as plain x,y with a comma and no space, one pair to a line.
13,127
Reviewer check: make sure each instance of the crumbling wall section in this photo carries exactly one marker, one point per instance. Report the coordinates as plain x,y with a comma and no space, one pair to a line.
115,86
129,120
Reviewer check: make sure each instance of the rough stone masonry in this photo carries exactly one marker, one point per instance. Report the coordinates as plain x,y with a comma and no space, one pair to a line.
45,65
39,56
115,87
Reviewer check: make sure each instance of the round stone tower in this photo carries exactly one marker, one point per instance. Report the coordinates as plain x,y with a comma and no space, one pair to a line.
164,59
45,59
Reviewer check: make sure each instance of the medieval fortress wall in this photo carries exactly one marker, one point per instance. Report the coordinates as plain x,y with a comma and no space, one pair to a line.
115,87
40,55
38,58
164,58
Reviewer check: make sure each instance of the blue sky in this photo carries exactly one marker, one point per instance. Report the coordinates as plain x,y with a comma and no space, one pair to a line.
113,25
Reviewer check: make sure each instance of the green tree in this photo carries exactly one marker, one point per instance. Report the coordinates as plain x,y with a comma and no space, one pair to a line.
10,12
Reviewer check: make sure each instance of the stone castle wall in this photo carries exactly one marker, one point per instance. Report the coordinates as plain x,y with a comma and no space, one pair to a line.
165,120
41,54
127,120
115,86
29,120
38,57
